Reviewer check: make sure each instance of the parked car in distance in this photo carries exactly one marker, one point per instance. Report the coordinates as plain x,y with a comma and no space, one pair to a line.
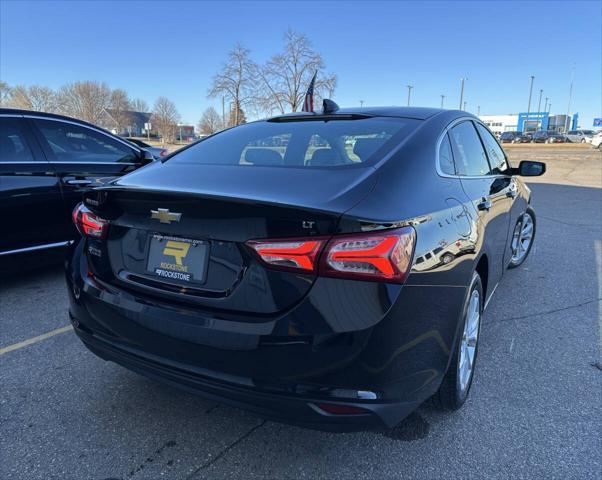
514,137
597,139
580,136
549,136
156,152
47,162
283,279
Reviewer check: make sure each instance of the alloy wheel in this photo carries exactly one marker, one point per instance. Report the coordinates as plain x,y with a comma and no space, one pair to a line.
470,337
521,238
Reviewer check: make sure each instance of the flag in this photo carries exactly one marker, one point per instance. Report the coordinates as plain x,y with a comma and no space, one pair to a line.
308,103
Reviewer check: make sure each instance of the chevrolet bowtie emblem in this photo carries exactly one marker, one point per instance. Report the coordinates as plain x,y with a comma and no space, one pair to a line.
165,216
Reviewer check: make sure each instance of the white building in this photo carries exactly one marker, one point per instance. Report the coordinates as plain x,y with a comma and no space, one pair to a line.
501,123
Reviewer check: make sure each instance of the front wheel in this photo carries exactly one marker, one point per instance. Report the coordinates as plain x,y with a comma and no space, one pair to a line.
456,384
522,238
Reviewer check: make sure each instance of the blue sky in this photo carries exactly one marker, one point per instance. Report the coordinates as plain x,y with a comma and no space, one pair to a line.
173,49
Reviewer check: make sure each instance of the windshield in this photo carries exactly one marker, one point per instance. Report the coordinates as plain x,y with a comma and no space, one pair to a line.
302,143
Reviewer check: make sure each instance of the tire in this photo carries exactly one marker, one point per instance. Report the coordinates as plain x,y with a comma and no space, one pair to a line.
455,386
583,140
447,258
518,260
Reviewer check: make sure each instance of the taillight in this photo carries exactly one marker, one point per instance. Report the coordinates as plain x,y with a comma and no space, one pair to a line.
298,255
88,223
383,256
377,256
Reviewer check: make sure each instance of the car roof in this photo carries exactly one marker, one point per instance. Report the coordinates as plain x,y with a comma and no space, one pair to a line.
17,111
419,113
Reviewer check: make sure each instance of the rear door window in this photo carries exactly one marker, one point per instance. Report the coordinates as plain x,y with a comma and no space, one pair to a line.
332,142
469,154
74,143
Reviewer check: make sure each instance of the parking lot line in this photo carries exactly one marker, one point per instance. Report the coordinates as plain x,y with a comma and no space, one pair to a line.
32,340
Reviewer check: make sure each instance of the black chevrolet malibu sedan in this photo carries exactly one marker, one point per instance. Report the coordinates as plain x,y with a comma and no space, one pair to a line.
328,270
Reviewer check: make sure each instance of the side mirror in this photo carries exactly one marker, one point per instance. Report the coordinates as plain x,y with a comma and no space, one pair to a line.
147,157
528,168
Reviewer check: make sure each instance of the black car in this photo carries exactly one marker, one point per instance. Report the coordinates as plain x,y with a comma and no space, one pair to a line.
548,136
156,152
46,163
515,137
284,279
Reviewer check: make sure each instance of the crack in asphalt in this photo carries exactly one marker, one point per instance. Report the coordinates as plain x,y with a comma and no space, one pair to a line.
546,312
226,450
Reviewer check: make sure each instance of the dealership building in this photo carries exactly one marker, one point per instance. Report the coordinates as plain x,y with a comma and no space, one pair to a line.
523,122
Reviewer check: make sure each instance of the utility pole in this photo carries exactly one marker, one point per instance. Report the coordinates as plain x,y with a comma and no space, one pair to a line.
442,98
545,105
539,109
409,92
529,105
461,91
568,108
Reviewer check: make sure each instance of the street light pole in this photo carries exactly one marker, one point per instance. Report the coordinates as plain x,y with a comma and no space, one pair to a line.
223,112
361,103
545,105
478,110
464,106
409,92
461,92
529,105
539,104
442,98
568,108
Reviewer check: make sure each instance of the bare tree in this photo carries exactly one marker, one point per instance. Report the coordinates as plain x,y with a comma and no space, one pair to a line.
236,116
282,82
35,97
165,118
5,93
85,100
210,122
121,110
235,80
139,105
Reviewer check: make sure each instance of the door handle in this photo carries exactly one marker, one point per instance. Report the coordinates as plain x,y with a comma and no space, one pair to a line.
78,181
485,204
512,191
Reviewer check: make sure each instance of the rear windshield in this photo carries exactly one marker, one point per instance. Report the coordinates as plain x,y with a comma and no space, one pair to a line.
303,143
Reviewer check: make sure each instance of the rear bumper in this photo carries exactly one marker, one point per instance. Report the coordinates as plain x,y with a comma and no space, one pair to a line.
287,408
385,363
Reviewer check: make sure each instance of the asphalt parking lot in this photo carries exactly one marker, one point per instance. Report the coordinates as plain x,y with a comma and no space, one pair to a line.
535,409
